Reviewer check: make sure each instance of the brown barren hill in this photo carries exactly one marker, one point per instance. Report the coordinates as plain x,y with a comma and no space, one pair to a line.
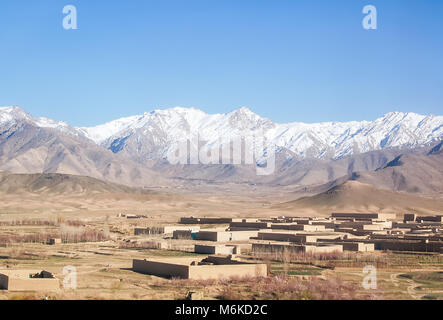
410,173
55,183
360,197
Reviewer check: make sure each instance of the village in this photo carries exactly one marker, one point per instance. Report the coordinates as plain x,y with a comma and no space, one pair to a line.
218,249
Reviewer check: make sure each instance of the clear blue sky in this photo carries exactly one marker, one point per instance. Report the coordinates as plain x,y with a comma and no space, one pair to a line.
288,60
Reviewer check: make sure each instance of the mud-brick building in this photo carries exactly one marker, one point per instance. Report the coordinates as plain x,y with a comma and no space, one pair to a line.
28,280
213,267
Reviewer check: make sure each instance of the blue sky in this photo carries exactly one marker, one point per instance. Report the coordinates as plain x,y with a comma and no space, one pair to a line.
291,60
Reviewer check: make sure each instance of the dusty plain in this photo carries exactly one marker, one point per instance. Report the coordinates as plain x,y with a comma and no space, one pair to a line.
104,264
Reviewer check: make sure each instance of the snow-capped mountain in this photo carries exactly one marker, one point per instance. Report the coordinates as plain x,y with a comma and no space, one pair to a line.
41,145
151,135
10,116
132,150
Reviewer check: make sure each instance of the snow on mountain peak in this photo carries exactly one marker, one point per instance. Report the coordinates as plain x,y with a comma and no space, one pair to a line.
15,114
10,109
244,110
12,114
151,134
321,140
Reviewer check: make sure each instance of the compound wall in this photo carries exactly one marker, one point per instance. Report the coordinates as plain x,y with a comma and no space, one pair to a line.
163,269
227,271
21,281
225,236
208,249
170,269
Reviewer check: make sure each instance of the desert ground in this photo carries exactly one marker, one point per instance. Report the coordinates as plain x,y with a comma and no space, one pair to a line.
101,245
104,272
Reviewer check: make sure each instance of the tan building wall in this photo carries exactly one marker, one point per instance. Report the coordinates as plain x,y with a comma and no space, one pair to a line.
277,236
372,227
355,215
33,285
163,269
250,225
19,280
182,268
245,220
227,271
217,249
358,246
225,236
327,224
366,247
298,227
181,234
242,248
328,248
54,241
171,229
4,281
297,237
276,247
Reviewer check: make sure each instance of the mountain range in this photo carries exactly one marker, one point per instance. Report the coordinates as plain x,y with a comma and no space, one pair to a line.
399,151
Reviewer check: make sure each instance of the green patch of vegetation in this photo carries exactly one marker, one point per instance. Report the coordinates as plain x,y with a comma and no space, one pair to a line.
294,270
427,280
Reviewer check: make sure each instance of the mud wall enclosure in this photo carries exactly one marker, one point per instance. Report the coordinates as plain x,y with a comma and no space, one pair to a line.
22,281
187,268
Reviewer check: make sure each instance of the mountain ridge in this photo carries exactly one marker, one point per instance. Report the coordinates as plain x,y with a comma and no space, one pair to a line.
133,149
152,135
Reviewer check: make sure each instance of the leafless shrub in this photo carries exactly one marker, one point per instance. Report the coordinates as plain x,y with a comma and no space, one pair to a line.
285,287
68,235
71,234
331,259
27,222
74,223
27,238
140,245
